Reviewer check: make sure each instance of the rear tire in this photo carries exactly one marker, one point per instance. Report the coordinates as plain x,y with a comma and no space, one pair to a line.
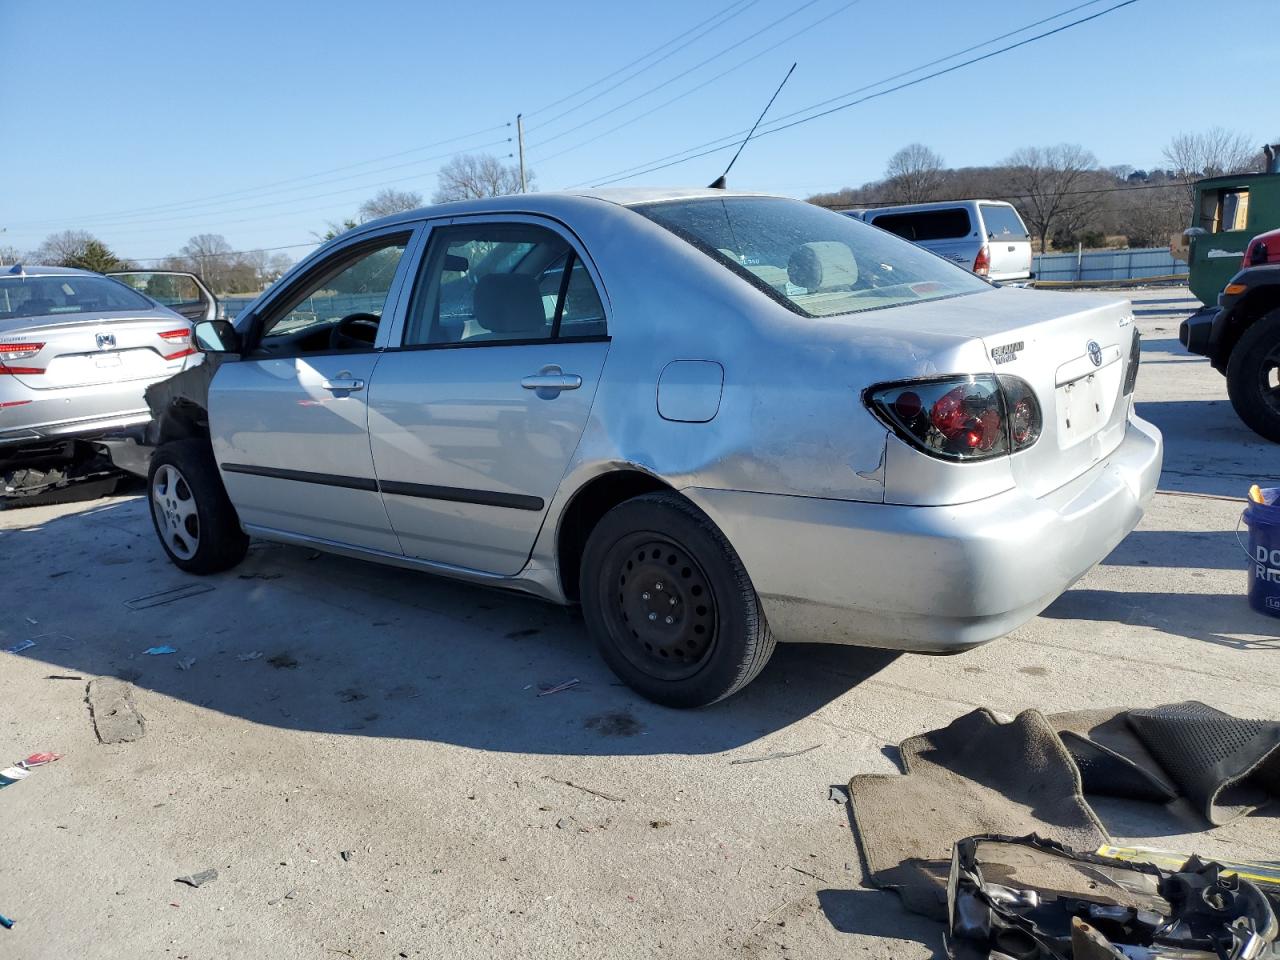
1253,377
193,517
670,604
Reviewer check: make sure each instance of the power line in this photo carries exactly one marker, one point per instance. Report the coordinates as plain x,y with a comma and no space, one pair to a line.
628,66
880,94
684,73
725,141
203,201
666,56
706,83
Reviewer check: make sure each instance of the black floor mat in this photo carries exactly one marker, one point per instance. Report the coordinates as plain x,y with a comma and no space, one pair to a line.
980,775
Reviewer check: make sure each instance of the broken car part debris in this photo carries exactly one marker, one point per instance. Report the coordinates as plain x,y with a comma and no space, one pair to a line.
167,596
1025,898
560,686
20,646
198,879
158,651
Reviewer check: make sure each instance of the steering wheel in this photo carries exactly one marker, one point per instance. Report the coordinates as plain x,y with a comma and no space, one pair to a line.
354,331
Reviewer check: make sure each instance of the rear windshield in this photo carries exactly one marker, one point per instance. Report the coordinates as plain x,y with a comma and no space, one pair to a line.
815,262
949,224
1003,223
69,293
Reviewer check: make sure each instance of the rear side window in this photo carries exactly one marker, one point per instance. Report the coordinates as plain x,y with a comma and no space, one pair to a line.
949,224
1003,223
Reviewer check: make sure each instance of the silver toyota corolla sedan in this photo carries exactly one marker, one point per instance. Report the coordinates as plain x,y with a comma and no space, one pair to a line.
77,350
716,420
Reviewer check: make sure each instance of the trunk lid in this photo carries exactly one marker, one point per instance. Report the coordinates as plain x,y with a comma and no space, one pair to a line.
81,350
1045,339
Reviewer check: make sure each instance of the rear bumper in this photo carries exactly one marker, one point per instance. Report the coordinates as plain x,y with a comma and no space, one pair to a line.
932,579
86,428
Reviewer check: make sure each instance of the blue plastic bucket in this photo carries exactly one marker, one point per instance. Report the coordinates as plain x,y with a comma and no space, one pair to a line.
1263,521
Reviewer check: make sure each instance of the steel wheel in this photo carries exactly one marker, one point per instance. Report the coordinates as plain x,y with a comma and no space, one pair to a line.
174,507
665,605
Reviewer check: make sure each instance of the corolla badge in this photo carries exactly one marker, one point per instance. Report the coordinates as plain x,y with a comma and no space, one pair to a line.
1095,353
106,341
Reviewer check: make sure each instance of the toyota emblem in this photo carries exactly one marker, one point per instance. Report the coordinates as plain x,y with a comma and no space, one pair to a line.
1095,353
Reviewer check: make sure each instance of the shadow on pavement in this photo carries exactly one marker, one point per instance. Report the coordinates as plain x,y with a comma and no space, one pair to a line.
1208,450
1181,549
341,646
1182,615
879,913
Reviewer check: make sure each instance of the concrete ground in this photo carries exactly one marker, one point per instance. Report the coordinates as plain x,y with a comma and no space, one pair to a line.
397,717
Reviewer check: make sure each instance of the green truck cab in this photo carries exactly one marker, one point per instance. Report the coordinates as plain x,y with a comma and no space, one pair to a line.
1238,328
1229,212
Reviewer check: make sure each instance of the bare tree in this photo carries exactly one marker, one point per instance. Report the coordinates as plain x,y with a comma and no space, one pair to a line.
471,175
1212,153
387,202
1051,184
209,256
9,256
914,174
60,248
267,267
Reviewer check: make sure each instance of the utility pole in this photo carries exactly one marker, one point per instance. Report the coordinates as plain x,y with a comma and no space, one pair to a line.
524,187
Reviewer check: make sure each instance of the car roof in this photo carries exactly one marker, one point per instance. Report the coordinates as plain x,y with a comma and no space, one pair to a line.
933,205
553,202
32,270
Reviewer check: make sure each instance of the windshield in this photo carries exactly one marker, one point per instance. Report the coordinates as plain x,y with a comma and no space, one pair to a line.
66,293
813,261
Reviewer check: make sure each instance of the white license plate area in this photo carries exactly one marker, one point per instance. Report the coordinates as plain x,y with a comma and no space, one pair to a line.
106,360
1082,409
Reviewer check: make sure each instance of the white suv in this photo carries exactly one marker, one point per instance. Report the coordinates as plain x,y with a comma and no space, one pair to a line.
985,236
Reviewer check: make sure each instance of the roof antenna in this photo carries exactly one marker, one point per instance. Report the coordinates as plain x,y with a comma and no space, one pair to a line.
719,183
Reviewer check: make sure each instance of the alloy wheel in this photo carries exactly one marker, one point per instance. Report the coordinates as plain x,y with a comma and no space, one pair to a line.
174,507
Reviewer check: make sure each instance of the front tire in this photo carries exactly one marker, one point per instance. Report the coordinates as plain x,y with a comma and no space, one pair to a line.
1253,377
670,604
192,515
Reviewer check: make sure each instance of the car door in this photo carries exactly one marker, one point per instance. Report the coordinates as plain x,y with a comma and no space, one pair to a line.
289,420
183,293
476,412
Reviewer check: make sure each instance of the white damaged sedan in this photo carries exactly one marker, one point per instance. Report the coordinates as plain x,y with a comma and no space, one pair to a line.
716,420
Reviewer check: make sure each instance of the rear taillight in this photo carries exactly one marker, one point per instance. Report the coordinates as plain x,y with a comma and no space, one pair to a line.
960,418
11,353
178,338
982,262
1135,359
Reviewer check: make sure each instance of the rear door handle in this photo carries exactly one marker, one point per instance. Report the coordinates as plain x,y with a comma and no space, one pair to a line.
552,381
343,385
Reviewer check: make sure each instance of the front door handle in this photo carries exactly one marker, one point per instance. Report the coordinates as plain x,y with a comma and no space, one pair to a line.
552,381
343,385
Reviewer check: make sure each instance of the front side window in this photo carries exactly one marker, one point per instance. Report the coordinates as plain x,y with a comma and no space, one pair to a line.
342,306
1003,223
501,282
813,261
66,293
950,224
170,289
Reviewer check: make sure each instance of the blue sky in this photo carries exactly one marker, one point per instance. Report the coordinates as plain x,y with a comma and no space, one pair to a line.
148,122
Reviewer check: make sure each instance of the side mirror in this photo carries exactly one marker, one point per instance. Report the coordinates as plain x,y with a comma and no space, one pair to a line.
217,336
1194,232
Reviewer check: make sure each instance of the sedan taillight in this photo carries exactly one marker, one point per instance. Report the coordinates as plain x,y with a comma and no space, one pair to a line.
178,338
10,353
960,418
